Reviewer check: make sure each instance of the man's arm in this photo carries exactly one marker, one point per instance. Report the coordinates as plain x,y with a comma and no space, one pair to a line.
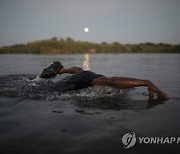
71,70
125,82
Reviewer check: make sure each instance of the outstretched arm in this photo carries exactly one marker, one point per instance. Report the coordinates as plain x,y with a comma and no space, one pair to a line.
71,70
125,82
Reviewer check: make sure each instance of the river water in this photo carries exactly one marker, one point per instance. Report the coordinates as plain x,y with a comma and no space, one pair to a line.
93,120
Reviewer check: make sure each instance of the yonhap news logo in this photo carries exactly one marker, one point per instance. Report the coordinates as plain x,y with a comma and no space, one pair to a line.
130,139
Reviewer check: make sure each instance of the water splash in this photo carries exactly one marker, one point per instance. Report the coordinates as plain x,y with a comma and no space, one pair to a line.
33,87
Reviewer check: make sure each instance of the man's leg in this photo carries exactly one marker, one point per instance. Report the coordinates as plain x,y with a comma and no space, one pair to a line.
125,82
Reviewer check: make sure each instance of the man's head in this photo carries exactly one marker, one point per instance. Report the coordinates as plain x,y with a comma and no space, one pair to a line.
52,70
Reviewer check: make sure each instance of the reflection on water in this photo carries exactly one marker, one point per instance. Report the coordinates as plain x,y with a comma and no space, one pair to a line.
86,65
116,102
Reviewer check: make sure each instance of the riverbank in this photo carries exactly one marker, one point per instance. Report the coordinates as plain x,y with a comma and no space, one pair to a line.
68,46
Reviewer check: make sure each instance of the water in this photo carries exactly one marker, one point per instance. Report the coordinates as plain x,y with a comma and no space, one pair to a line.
36,120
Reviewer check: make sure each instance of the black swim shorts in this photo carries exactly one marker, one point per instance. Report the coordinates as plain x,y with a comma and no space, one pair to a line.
79,80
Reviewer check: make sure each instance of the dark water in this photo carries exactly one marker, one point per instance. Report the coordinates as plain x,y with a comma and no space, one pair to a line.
34,119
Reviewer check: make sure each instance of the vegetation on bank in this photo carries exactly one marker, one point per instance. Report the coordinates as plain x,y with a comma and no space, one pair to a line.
68,45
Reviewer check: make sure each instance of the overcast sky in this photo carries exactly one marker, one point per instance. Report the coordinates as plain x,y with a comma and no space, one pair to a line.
124,21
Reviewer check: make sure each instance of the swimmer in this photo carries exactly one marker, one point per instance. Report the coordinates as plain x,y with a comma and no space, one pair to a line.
83,79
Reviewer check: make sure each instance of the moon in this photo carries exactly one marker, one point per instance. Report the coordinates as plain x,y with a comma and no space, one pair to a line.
86,29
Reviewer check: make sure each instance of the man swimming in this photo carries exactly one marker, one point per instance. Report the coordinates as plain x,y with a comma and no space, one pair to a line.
83,79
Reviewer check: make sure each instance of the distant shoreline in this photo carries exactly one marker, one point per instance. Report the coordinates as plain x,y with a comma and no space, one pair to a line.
69,46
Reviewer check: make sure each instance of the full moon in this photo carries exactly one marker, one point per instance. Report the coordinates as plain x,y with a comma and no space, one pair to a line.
86,29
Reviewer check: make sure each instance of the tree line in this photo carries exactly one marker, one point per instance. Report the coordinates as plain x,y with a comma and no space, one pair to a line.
68,45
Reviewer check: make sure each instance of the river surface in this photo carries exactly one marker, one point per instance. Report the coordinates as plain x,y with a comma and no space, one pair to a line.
34,119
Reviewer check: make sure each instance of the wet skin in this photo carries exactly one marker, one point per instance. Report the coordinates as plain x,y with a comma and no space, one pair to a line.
120,82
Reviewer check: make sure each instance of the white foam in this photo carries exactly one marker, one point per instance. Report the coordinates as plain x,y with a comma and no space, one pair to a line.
38,79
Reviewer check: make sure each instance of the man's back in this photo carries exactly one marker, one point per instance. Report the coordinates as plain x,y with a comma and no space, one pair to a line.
78,80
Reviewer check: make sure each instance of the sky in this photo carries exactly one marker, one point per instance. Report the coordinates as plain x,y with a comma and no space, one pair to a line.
123,21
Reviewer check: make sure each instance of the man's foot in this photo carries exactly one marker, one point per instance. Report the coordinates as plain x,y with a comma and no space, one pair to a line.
52,70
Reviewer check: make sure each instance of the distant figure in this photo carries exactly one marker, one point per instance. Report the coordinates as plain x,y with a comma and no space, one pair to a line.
83,79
